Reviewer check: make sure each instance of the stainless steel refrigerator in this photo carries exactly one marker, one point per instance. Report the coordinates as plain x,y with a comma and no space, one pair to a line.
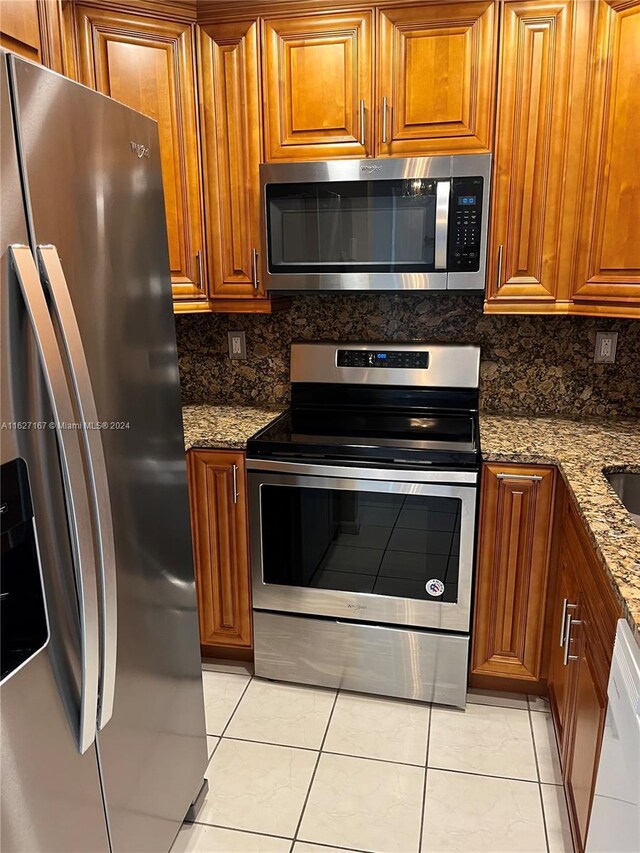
102,717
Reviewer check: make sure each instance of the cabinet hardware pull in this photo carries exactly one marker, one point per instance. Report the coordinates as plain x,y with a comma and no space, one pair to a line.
533,477
565,606
200,268
569,625
254,268
235,484
499,275
384,119
362,119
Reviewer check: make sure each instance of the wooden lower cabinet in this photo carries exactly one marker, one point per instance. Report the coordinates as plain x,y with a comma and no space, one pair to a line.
220,543
585,616
512,573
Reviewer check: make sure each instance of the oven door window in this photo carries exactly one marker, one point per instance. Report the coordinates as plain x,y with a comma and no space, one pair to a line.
406,546
352,226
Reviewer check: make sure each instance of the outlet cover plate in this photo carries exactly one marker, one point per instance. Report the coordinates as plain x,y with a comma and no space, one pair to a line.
237,345
605,349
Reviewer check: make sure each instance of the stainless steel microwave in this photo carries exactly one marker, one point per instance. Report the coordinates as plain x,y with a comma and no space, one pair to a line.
395,224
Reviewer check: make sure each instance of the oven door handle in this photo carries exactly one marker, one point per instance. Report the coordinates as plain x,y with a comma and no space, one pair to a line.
443,193
407,475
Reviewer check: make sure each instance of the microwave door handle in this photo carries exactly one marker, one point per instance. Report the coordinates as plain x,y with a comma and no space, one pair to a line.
74,483
58,290
443,191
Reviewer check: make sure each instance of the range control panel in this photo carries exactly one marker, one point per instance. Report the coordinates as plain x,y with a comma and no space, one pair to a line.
465,216
382,358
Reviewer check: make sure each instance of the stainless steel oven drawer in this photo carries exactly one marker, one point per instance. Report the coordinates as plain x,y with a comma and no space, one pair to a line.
410,664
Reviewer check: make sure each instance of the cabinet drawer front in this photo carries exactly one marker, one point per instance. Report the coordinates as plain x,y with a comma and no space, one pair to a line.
512,571
436,67
220,541
317,77
147,64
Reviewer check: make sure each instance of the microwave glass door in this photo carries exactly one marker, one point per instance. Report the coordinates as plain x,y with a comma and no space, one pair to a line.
357,226
401,545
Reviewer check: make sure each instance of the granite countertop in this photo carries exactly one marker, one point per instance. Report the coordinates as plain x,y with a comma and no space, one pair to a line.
223,425
581,448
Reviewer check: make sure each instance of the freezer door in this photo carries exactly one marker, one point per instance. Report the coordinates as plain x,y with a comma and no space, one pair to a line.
51,797
93,181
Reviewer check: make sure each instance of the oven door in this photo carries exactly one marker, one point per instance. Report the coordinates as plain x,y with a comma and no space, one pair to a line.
366,545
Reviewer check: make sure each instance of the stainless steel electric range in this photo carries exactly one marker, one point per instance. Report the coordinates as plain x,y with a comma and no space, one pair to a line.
362,508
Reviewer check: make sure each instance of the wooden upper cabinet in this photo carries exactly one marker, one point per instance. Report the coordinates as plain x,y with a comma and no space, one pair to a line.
220,544
317,78
231,123
32,28
608,269
436,78
148,64
20,28
513,568
531,150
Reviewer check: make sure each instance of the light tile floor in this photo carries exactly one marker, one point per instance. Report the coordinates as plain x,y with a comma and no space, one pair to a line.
298,769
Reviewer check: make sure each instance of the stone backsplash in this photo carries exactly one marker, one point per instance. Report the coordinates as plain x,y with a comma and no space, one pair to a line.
529,363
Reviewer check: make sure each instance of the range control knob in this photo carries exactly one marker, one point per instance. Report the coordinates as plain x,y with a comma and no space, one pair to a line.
371,359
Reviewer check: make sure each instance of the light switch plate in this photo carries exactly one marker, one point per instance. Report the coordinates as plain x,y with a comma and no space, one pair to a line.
237,345
606,345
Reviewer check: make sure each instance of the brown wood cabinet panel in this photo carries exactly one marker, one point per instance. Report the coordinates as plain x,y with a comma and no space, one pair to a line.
566,601
20,28
585,738
579,670
32,28
530,153
608,269
512,573
148,64
317,78
231,122
436,69
220,543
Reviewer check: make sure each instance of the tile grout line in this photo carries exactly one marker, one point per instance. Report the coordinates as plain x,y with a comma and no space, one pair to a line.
313,775
535,755
237,705
237,829
424,784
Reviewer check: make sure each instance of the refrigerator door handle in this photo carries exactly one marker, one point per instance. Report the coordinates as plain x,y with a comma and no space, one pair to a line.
75,485
91,430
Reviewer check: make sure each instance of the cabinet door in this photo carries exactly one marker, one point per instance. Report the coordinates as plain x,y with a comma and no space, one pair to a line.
587,724
31,28
531,150
230,104
512,573
436,78
608,269
220,543
318,86
565,604
148,64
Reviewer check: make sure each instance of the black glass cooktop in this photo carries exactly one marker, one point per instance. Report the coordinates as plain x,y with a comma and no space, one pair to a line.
370,436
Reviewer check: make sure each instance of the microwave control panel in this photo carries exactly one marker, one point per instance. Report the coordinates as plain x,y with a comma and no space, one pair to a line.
465,218
382,358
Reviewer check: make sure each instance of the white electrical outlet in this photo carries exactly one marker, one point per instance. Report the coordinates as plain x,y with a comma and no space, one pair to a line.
237,345
606,345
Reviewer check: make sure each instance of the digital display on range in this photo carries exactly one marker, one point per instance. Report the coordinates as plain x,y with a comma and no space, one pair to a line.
389,359
466,199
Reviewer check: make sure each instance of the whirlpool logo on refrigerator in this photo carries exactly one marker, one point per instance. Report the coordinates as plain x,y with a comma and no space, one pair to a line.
140,150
